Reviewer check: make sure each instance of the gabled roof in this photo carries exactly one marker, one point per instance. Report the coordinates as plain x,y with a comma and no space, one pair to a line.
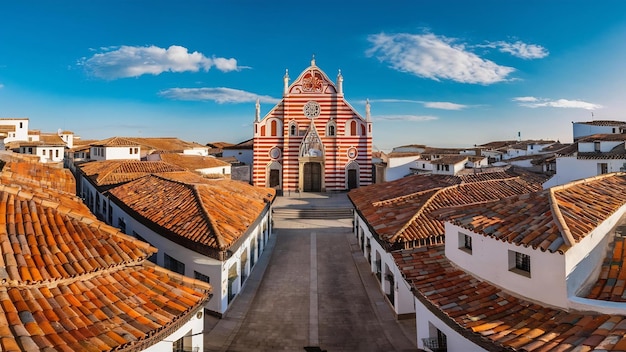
113,172
604,137
70,282
115,142
164,144
401,211
247,144
550,220
450,159
192,162
204,215
497,320
45,140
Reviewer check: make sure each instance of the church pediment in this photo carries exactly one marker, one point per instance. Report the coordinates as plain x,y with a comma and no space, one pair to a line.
313,81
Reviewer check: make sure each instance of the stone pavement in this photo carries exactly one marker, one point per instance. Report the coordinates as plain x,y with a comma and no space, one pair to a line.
311,290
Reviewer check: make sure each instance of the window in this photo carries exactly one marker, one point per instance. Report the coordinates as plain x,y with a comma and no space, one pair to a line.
121,224
130,150
292,129
136,150
596,146
56,153
173,264
519,263
465,243
603,168
21,125
201,277
353,128
273,128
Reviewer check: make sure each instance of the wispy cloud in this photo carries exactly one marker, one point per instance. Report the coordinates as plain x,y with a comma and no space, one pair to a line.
435,57
220,95
444,105
519,49
134,61
418,118
429,104
1,85
533,102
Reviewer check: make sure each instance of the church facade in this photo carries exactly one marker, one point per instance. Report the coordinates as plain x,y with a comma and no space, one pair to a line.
313,140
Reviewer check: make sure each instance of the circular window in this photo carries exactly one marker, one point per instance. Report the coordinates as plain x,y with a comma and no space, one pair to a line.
352,153
275,153
311,109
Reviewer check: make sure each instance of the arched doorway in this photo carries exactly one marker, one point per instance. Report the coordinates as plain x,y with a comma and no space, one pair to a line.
352,175
312,177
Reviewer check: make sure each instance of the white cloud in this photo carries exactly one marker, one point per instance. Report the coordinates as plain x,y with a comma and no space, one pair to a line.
532,102
429,104
444,105
1,85
525,99
520,49
435,57
220,95
134,61
405,118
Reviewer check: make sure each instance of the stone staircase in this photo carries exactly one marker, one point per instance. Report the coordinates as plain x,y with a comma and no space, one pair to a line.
312,213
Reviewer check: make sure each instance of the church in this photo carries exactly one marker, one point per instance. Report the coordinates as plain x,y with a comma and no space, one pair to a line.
313,140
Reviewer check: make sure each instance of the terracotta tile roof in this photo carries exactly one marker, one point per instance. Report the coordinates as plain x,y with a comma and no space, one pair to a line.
604,123
192,162
113,172
219,145
7,128
497,320
400,212
204,215
69,282
45,139
115,142
167,144
533,219
450,159
610,283
247,144
497,144
608,137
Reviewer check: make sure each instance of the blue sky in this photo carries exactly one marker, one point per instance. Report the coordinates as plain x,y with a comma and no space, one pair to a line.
441,73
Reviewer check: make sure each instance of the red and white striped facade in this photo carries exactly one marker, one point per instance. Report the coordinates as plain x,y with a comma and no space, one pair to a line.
312,140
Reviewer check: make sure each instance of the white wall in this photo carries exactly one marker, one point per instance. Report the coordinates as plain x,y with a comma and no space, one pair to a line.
222,170
243,155
193,328
403,297
570,168
605,146
21,129
116,153
489,260
583,130
455,342
197,151
398,167
215,269
44,153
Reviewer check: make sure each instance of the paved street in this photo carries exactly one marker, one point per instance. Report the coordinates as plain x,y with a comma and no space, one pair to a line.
311,288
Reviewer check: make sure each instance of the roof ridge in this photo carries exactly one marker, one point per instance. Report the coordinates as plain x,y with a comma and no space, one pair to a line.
560,221
418,213
212,223
403,197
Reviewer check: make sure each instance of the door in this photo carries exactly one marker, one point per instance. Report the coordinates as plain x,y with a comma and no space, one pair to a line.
274,178
312,174
352,179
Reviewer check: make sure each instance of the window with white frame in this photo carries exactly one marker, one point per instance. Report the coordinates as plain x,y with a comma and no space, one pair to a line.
519,263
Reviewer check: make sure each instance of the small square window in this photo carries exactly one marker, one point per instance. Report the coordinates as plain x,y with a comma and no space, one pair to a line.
201,277
519,263
465,243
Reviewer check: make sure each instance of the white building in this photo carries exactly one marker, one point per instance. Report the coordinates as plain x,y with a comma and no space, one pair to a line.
115,148
214,230
590,156
396,216
242,151
204,165
589,128
14,129
518,274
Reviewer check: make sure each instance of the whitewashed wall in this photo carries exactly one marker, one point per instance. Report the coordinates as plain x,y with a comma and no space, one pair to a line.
569,169
116,153
605,146
455,341
582,130
243,155
398,167
221,170
194,331
489,260
215,269
21,130
403,297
